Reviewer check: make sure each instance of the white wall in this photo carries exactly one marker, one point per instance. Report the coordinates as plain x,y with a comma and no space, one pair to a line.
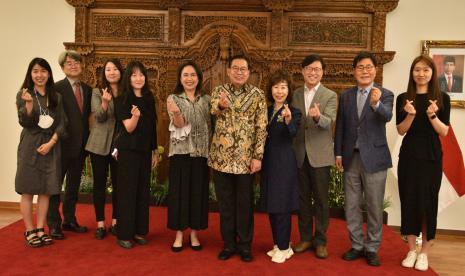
28,29
411,22
39,28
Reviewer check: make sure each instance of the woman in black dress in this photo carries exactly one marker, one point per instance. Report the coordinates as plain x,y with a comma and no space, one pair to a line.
100,142
422,116
40,113
137,154
279,180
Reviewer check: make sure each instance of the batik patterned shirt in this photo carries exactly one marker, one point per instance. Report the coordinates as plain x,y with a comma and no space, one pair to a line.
240,130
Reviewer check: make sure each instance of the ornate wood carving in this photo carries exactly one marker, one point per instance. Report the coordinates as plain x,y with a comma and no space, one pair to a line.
128,27
328,31
275,34
256,25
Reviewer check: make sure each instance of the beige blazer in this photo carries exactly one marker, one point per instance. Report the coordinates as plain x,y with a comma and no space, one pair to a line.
101,132
316,139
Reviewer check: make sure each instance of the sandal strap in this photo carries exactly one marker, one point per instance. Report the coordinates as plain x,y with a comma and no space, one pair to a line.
40,230
45,237
30,232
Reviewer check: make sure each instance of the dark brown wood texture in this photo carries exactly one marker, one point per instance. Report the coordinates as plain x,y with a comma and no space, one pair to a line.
275,34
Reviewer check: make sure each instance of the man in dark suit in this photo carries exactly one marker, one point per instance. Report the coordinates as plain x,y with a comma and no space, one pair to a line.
448,82
76,103
361,150
314,151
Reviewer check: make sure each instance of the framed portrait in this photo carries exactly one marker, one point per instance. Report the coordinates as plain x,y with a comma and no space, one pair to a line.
449,58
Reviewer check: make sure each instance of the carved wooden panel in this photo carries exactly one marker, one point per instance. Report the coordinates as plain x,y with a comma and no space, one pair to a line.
275,34
257,24
329,31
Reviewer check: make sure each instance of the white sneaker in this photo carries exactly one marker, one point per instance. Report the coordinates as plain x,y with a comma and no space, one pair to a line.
409,261
272,251
281,256
422,262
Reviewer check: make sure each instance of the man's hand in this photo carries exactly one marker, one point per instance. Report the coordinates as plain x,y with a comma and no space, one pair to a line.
255,166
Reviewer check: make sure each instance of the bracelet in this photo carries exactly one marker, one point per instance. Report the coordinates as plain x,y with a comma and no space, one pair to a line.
432,117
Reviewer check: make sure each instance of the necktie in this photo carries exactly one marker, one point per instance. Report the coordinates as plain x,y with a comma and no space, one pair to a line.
361,99
77,94
449,83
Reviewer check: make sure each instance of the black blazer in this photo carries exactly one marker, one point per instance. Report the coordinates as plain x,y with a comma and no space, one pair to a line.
77,130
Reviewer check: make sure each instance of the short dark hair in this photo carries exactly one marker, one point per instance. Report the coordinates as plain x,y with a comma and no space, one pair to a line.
364,55
231,59
179,88
68,53
126,90
311,59
104,83
276,78
449,59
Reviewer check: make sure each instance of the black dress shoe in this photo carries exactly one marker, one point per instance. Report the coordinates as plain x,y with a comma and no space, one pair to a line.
195,247
176,249
112,229
353,254
56,233
74,227
372,259
225,254
140,240
125,244
100,233
246,255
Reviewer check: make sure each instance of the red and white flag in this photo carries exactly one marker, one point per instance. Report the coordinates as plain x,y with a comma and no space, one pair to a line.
453,169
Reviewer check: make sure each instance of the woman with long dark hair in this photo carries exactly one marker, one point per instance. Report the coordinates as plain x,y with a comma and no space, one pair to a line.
422,116
190,133
40,113
100,142
137,154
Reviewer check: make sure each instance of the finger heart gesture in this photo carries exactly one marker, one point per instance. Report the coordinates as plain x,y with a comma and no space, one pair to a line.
135,111
409,108
26,96
224,101
286,114
172,107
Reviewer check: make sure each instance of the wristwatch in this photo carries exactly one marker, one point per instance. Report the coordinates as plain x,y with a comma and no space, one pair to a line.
432,117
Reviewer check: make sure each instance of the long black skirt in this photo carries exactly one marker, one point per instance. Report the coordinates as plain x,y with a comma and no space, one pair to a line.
419,184
188,193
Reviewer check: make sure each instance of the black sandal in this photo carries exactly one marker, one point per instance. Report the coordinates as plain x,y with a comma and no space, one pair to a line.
32,239
44,238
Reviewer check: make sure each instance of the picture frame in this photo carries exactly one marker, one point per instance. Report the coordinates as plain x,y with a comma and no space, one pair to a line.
449,58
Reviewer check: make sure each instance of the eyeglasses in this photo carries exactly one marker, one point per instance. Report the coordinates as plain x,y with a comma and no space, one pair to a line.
236,69
313,69
362,68
72,63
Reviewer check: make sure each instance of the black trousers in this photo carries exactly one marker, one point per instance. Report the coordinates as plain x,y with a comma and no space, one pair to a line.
313,185
281,229
235,202
100,166
133,193
72,169
188,193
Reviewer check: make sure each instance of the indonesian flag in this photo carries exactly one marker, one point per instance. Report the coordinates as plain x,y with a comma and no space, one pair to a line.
453,169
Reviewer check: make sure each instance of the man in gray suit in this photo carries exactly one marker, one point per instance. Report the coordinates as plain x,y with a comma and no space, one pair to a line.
314,151
361,150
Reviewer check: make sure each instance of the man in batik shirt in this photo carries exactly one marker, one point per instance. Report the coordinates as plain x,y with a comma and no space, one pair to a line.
235,155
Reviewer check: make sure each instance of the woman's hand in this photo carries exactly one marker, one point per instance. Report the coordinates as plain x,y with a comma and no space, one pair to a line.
26,96
432,108
135,111
45,148
286,113
409,108
172,107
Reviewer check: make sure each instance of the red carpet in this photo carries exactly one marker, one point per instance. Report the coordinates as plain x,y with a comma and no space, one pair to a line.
81,254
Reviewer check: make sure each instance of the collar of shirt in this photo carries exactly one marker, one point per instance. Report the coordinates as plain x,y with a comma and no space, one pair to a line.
72,83
237,91
184,96
368,88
